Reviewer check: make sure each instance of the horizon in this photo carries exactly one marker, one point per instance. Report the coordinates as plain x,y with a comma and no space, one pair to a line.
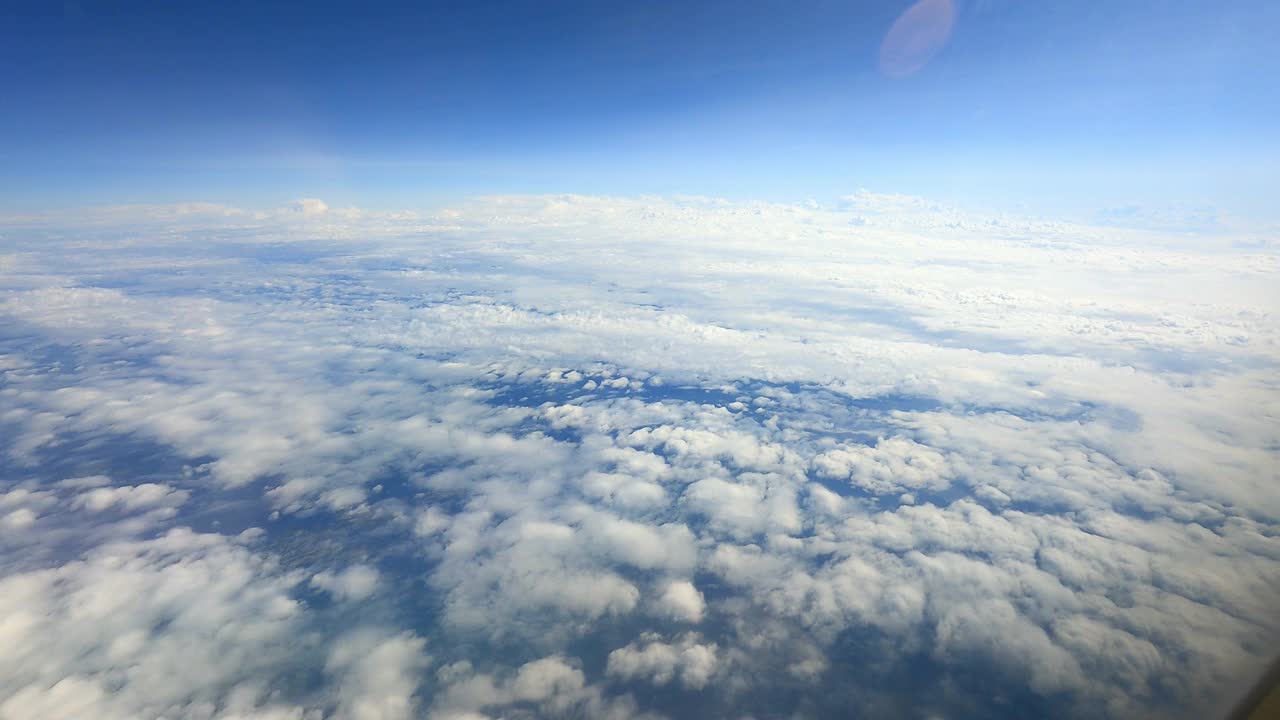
1055,109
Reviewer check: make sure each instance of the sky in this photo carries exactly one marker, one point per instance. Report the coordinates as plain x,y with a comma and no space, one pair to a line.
1058,108
550,361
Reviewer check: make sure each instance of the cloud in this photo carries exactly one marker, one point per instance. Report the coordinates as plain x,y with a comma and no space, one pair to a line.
553,685
357,582
890,467
145,628
131,497
377,674
661,663
682,601
186,625
19,519
309,207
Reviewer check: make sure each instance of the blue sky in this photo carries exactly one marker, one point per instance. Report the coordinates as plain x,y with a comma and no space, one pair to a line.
1053,107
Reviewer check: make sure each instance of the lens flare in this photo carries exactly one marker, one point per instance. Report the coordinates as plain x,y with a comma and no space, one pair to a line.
916,36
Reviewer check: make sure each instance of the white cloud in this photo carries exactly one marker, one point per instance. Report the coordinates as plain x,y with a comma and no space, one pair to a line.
556,687
682,601
130,497
378,675
893,465
145,628
357,582
186,625
660,663
18,519
309,207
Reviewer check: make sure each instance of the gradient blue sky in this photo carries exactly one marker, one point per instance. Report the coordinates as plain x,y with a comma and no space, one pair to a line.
1047,106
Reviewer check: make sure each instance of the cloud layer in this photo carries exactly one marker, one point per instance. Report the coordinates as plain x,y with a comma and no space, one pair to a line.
598,457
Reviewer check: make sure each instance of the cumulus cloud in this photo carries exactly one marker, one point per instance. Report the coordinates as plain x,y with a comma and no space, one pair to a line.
146,628
682,601
130,497
18,519
658,662
377,674
891,466
354,583
187,625
556,687
310,206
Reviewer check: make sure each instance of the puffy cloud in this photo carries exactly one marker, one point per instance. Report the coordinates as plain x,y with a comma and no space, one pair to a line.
357,582
377,674
546,678
891,466
749,504
18,519
148,628
682,601
308,207
669,546
186,625
130,497
541,566
553,685
660,663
